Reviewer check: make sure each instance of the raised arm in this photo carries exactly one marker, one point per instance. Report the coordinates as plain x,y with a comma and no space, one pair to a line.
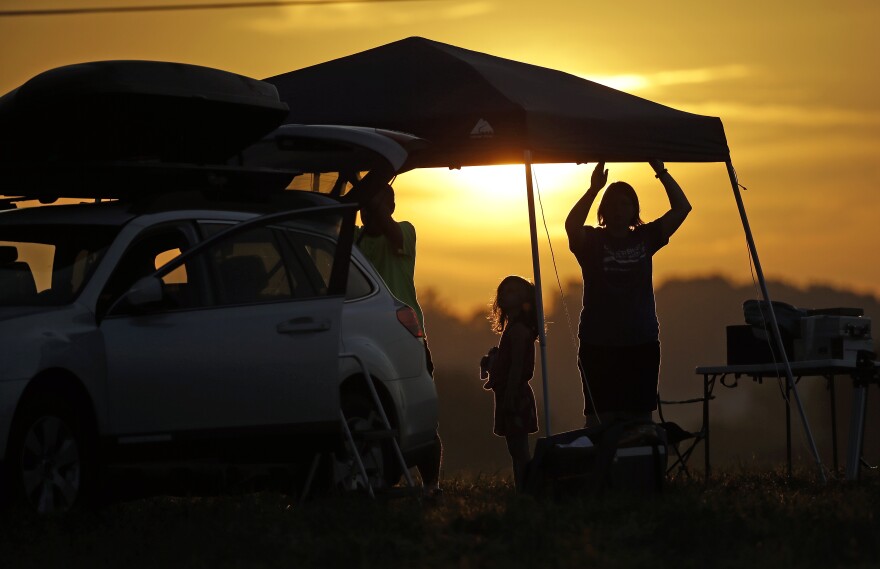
679,206
376,200
377,213
574,223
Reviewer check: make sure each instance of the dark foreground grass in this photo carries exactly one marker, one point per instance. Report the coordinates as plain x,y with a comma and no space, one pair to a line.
738,520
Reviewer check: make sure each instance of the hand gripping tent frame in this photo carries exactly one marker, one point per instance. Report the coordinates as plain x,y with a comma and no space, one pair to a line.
476,109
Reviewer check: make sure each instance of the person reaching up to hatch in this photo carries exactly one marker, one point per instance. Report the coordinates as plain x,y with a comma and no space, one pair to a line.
390,246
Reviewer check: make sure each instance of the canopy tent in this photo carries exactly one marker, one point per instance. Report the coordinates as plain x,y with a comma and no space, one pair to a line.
478,109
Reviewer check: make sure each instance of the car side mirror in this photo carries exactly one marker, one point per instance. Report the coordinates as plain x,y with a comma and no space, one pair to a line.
145,293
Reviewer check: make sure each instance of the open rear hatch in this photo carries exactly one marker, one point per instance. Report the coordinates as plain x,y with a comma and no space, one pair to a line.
329,157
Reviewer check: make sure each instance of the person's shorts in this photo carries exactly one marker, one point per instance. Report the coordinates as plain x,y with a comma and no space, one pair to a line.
622,379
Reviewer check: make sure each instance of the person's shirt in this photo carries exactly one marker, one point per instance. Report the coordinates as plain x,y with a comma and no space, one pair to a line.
396,267
618,303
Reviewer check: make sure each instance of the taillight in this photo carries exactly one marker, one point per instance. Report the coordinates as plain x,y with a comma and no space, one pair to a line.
407,317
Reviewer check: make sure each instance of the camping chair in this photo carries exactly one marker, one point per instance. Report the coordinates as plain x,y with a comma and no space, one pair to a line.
682,442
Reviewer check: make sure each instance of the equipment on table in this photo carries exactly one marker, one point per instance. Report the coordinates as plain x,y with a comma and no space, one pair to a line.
807,334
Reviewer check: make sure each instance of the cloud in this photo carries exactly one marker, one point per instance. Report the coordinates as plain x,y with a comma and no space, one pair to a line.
787,115
357,15
638,82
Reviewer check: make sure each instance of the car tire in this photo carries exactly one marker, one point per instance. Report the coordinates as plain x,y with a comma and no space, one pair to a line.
377,454
51,460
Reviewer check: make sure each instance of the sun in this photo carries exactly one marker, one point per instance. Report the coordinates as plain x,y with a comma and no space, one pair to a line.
481,191
509,182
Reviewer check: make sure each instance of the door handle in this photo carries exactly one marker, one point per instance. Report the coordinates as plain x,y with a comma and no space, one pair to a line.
303,325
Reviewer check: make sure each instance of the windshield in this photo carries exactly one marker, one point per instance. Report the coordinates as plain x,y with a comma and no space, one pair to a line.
48,265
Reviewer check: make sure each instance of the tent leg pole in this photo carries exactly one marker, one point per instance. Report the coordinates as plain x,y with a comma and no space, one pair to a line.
753,251
539,298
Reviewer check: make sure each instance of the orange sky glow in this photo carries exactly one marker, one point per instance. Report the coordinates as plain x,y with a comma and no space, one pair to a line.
796,89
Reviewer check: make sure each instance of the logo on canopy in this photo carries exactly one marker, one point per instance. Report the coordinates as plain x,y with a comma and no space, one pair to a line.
482,129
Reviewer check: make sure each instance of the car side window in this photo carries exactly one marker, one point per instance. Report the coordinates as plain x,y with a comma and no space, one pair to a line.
149,252
358,284
249,267
317,254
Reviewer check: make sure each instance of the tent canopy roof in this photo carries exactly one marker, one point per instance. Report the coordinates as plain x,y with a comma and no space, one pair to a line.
478,109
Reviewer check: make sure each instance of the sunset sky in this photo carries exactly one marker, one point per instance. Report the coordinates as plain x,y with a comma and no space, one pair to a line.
796,88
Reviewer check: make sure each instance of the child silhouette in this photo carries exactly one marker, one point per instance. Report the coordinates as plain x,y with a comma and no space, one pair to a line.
512,366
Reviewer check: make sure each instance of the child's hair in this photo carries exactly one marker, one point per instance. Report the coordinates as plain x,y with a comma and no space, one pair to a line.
498,319
624,189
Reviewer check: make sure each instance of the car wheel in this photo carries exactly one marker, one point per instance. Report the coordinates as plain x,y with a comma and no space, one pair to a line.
50,458
370,442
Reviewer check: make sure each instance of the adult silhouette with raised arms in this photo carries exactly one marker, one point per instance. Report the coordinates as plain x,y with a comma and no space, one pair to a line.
619,353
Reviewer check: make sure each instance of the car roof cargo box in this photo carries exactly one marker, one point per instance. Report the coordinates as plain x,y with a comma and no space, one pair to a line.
135,111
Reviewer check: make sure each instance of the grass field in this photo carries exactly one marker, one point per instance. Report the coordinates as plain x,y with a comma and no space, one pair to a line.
739,519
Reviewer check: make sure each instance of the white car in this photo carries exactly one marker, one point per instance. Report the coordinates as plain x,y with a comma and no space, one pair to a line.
192,311
234,354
